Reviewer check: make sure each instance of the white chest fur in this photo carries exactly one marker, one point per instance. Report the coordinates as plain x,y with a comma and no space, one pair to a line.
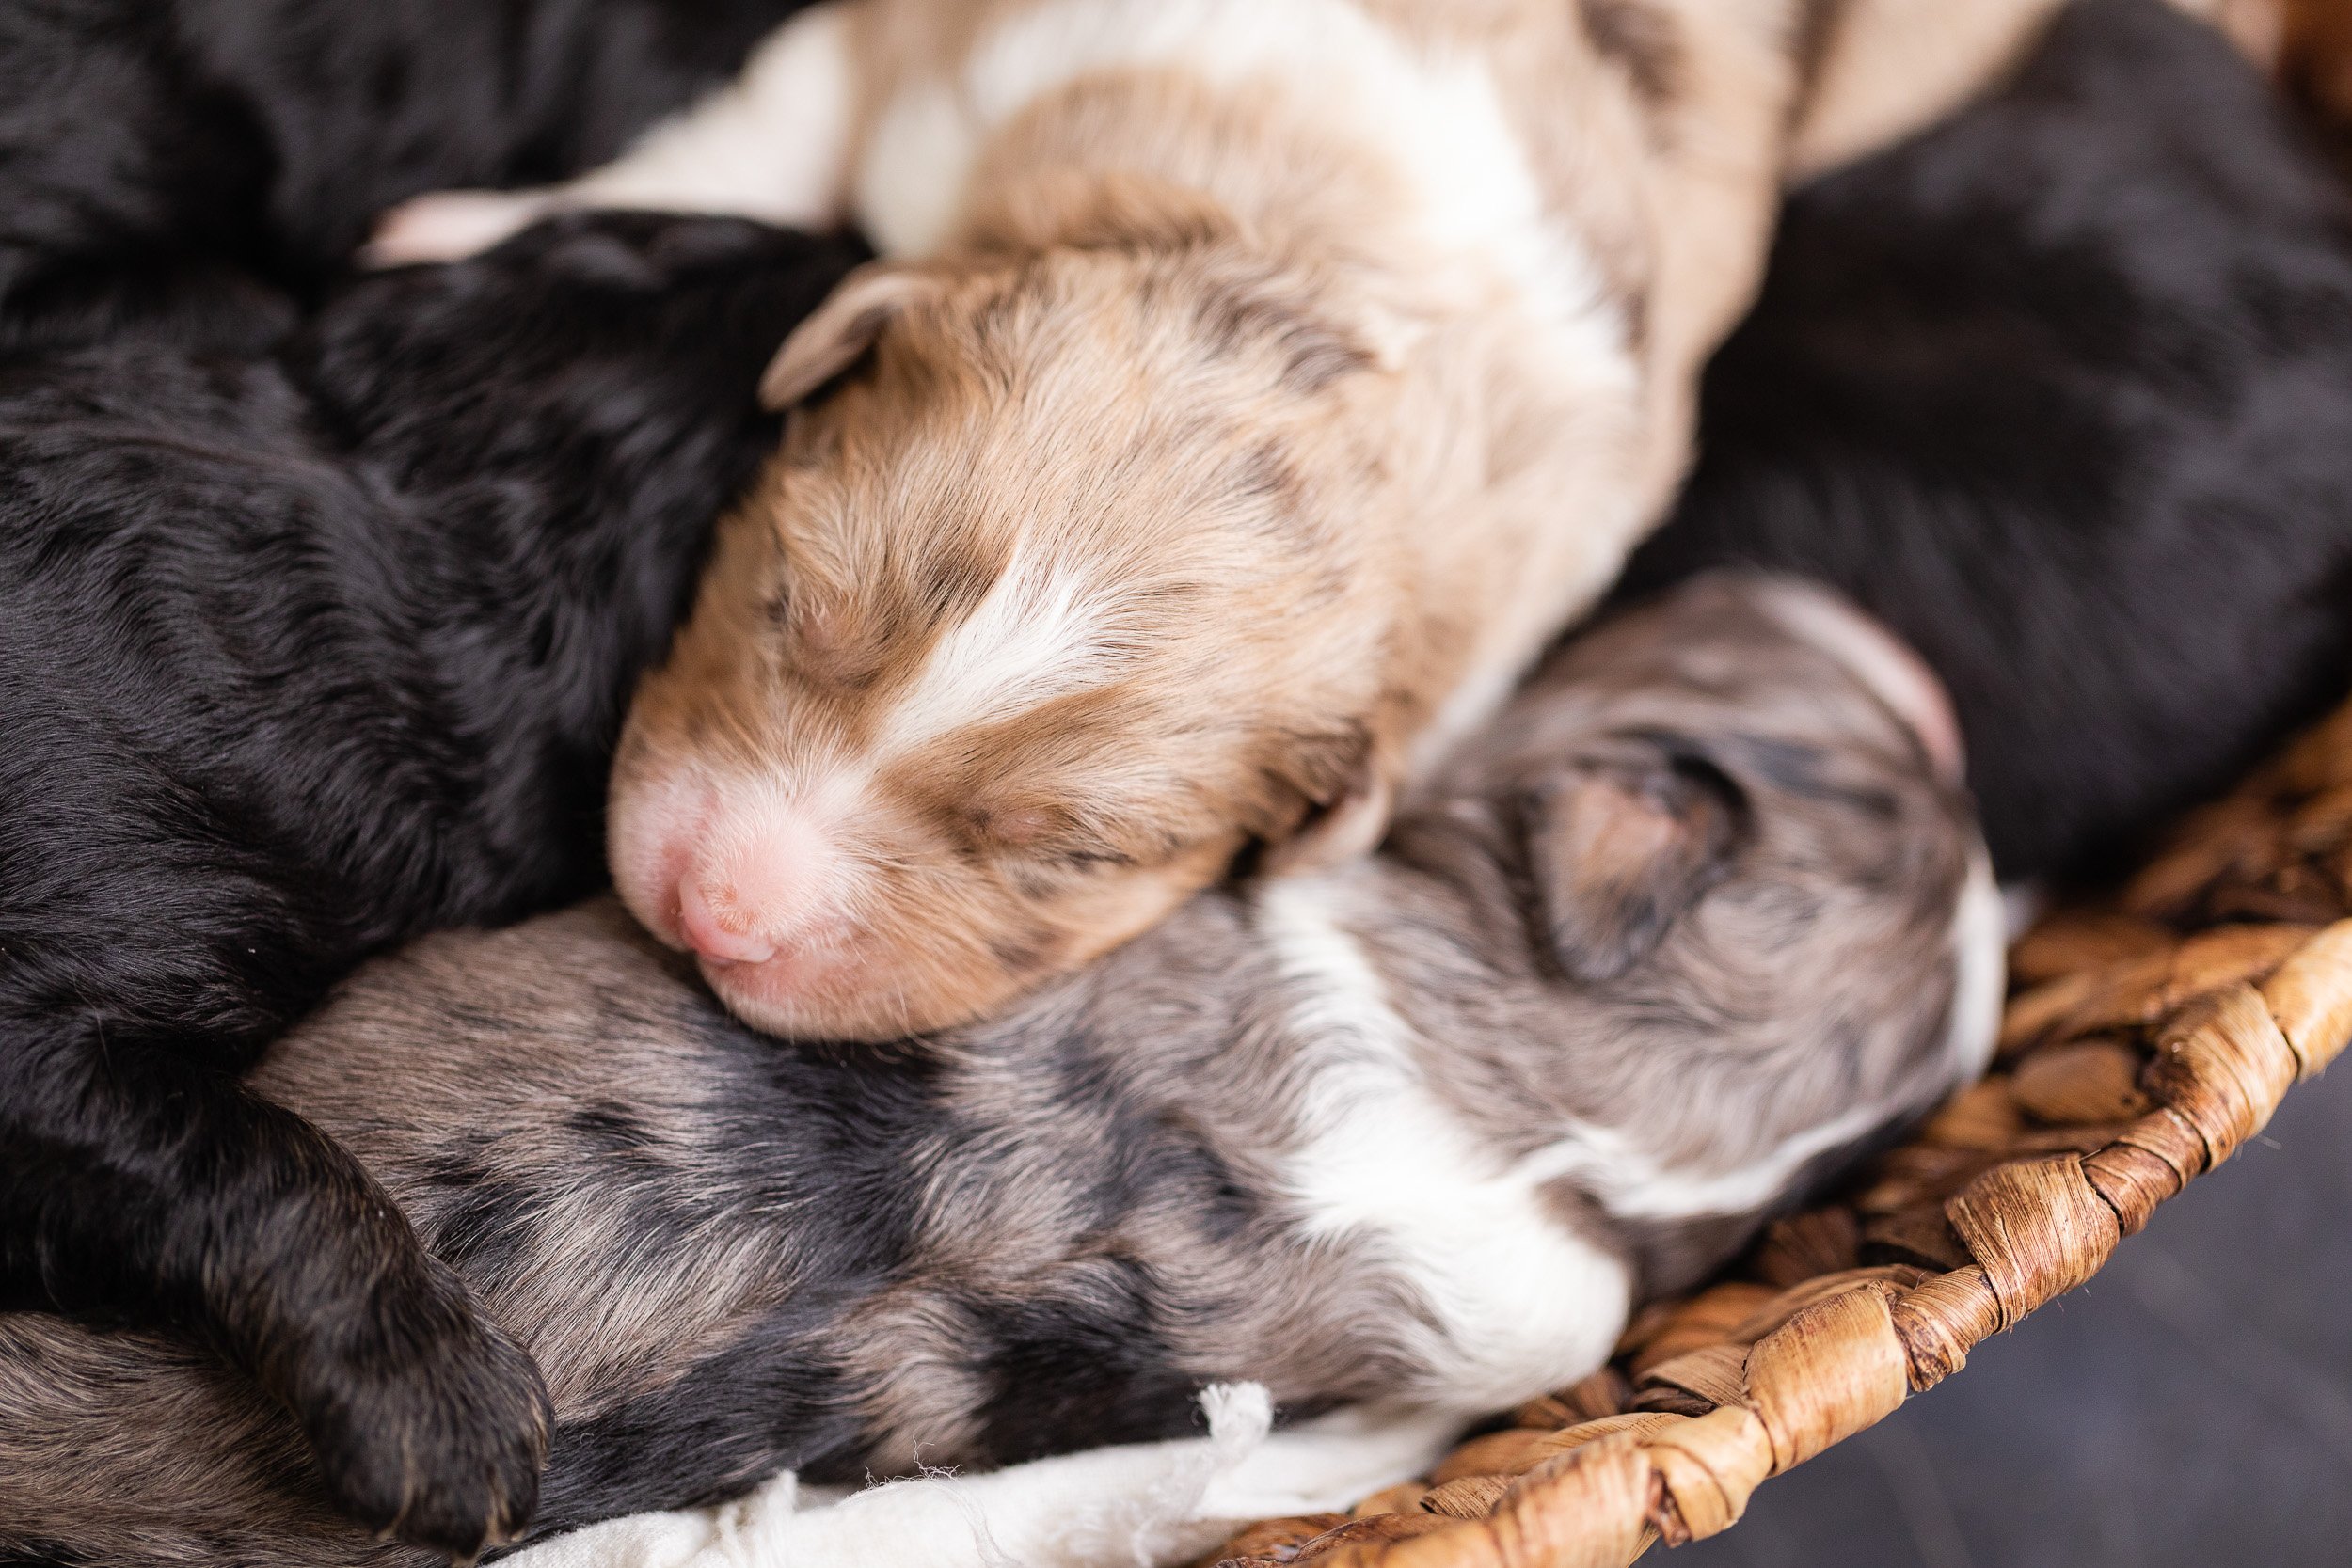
1516,1302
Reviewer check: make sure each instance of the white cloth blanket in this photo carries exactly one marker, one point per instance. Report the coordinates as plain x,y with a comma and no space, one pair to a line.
1147,1505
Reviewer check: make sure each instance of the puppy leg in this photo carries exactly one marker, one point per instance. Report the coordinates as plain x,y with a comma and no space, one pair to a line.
140,1187
772,144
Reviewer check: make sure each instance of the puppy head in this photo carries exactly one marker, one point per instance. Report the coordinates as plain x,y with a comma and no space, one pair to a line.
1758,926
1040,617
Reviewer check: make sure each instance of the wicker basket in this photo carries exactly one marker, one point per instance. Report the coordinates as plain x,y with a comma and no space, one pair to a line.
2145,1040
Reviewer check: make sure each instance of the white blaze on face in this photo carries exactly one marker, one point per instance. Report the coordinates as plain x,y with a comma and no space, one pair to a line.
791,856
1980,968
1043,631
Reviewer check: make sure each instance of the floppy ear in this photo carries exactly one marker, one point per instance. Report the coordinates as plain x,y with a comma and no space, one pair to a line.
1618,850
839,331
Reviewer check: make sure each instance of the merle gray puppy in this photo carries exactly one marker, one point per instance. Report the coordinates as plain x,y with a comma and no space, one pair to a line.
1703,915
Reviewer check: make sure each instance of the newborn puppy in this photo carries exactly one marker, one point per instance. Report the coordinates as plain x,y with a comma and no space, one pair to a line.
309,650
1700,917
158,157
1253,388
2062,391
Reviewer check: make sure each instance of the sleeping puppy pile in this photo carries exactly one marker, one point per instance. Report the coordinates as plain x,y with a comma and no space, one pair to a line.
1247,393
1014,1033
1412,1131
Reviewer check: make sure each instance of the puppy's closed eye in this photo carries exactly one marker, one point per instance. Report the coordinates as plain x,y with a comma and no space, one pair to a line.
1618,849
1043,836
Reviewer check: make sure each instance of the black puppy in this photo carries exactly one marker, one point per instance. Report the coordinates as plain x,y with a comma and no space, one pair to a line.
156,153
307,651
2062,391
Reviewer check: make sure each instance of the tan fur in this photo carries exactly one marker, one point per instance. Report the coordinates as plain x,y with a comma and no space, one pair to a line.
1192,342
1199,339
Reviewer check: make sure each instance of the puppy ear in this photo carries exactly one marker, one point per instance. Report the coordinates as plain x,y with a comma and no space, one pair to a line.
838,332
1617,850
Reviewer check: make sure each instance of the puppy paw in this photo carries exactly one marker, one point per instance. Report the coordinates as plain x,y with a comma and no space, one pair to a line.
432,1427
449,226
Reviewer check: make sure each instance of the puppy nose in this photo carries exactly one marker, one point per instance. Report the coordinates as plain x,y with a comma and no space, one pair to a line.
721,936
763,883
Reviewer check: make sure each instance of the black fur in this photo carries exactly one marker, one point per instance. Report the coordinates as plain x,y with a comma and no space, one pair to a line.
158,155
2062,390
312,647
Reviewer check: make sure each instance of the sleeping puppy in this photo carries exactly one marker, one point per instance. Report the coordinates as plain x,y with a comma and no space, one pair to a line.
1702,915
1252,389
2062,391
312,647
160,159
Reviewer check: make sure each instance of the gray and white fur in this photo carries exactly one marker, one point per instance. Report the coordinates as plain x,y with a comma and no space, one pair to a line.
1701,917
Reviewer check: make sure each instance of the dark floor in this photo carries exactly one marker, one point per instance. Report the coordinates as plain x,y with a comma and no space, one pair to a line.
2190,1408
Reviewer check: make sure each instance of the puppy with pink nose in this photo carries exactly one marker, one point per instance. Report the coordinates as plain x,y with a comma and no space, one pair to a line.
1248,391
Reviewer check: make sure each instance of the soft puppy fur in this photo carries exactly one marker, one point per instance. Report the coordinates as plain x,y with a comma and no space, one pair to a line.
159,157
313,646
1251,388
1697,919
2062,391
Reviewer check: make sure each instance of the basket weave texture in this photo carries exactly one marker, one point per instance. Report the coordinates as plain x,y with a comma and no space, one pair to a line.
2146,1038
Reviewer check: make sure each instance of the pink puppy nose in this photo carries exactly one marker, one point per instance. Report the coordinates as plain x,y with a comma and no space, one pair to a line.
762,883
714,935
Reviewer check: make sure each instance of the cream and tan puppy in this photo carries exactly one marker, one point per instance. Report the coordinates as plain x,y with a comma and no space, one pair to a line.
1250,389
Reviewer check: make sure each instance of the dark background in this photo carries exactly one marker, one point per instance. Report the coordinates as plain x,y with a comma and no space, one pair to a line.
2191,1407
